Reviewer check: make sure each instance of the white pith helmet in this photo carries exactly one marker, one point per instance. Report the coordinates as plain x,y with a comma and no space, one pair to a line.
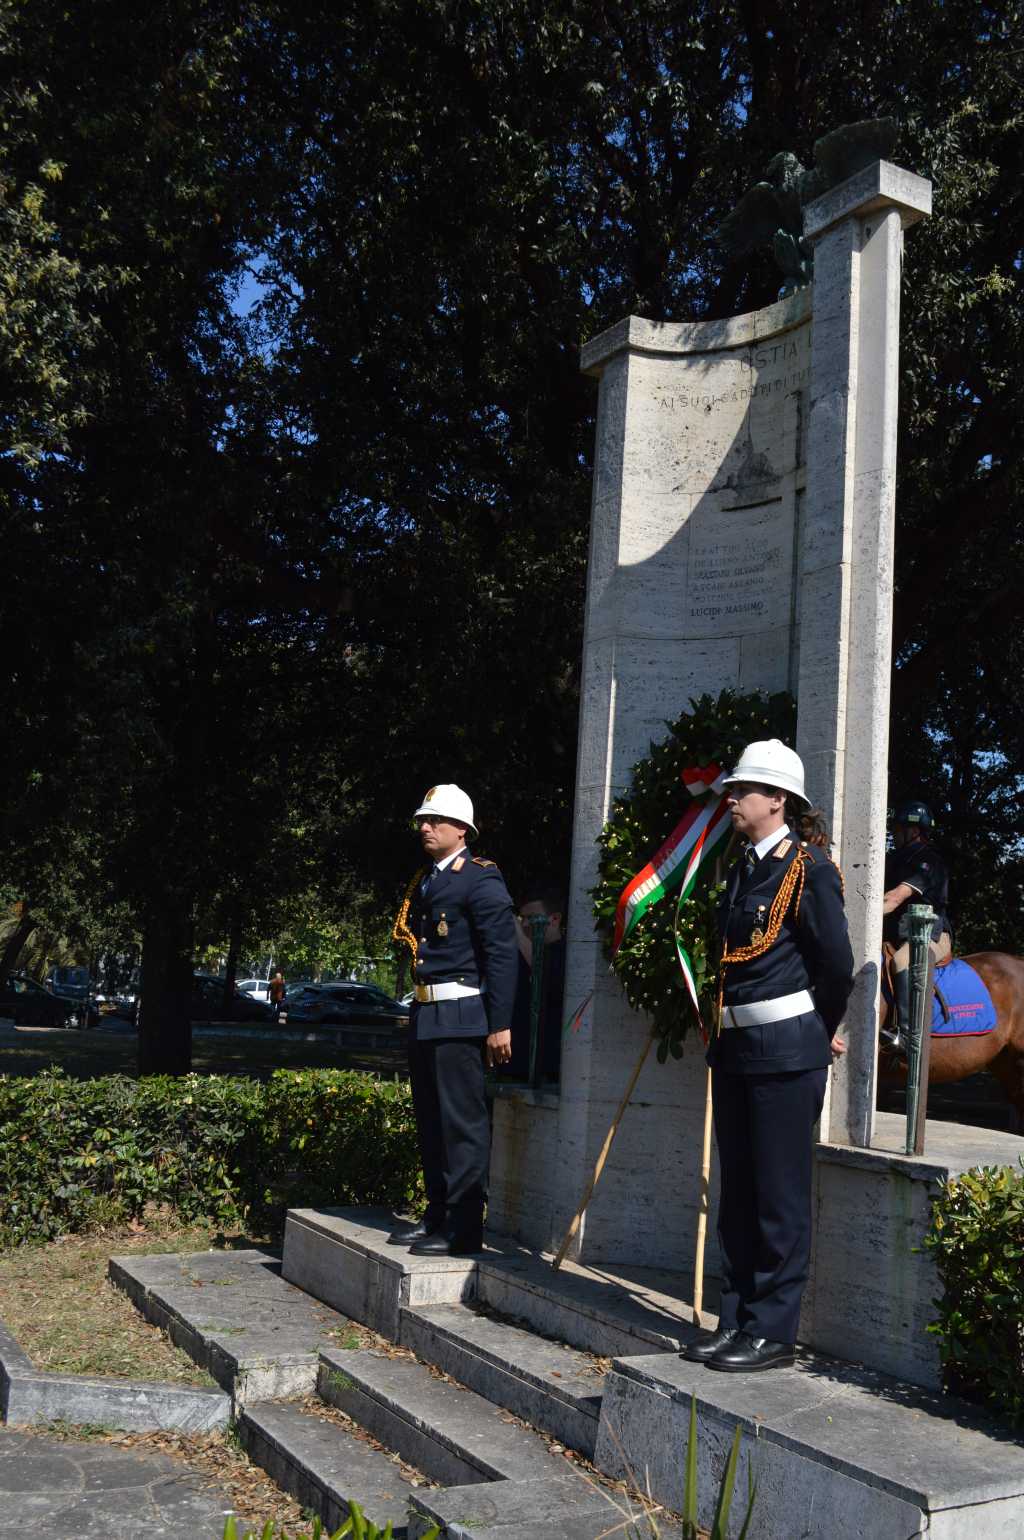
771,763
447,802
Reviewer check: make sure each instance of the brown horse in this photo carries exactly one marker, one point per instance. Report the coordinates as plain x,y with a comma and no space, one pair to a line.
1000,1051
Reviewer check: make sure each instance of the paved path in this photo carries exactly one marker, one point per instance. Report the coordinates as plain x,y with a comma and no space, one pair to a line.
67,1491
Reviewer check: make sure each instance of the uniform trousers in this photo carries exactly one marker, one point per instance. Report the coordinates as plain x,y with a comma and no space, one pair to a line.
764,1127
446,1075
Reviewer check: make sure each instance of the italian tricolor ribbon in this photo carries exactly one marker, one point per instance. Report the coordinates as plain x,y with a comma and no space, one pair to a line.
701,832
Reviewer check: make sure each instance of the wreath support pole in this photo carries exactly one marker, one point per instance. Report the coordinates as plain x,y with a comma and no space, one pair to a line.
605,1148
703,1202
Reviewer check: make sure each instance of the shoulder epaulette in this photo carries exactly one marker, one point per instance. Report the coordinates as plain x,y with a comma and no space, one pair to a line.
816,856
479,861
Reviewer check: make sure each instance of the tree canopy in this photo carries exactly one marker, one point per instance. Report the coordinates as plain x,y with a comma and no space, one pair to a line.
295,471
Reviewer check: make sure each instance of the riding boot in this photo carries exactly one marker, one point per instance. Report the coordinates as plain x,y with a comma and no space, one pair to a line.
901,1000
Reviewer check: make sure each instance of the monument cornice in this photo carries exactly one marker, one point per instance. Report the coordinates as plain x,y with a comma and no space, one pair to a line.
879,186
635,334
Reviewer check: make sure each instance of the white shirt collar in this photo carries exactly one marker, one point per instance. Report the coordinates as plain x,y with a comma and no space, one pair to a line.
440,866
770,841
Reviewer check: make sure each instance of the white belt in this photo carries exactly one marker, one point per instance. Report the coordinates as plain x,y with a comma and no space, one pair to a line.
429,994
760,1012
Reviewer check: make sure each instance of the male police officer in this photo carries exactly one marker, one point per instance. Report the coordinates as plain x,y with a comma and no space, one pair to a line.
788,971
460,920
915,873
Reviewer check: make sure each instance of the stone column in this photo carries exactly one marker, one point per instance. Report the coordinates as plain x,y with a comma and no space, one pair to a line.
847,571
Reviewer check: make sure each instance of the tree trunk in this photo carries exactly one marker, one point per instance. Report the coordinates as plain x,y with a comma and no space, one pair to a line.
15,944
165,1030
231,967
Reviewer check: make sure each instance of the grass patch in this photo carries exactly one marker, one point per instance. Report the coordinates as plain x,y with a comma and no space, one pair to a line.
88,1055
69,1318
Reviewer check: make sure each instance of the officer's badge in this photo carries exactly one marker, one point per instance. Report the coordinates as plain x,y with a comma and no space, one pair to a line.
782,850
442,927
756,936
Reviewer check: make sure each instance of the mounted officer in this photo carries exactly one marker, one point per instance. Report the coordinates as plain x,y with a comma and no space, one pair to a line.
457,919
915,873
787,971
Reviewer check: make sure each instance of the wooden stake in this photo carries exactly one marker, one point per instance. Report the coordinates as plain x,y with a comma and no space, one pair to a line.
702,1209
599,1167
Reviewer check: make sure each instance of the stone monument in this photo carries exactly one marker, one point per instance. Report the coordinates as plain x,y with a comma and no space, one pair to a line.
742,536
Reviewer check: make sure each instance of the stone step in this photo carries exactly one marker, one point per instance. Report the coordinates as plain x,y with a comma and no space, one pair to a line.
233,1314
560,1506
552,1387
451,1434
342,1256
324,1466
613,1312
834,1449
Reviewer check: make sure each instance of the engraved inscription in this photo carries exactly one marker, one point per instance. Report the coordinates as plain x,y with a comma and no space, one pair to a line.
770,369
740,574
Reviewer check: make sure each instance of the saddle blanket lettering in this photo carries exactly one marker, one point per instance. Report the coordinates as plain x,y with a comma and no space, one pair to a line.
971,1012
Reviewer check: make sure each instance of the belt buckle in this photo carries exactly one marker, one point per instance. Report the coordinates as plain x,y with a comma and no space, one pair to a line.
422,994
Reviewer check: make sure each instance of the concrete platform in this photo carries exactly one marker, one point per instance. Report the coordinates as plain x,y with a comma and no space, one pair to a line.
835,1450
232,1313
872,1208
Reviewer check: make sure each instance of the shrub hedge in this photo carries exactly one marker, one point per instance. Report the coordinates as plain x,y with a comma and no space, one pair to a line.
223,1148
977,1241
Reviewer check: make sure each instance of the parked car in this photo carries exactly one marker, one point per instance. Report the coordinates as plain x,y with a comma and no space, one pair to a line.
345,1004
208,1003
74,985
258,987
31,1004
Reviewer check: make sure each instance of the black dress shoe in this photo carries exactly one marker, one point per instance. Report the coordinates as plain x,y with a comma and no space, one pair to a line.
459,1244
747,1354
415,1230
700,1351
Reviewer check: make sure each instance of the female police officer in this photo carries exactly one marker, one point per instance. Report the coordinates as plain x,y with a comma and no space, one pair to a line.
787,972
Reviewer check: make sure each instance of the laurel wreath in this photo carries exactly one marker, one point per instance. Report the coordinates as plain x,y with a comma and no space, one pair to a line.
711,732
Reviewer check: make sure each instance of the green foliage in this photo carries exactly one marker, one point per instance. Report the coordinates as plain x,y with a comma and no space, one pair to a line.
976,1239
295,448
226,1149
712,732
726,1488
356,1525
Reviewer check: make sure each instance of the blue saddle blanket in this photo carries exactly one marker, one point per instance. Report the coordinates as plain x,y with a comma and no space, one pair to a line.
971,1012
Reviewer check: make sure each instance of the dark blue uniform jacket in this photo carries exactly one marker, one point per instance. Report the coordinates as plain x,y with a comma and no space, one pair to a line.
469,901
920,865
812,952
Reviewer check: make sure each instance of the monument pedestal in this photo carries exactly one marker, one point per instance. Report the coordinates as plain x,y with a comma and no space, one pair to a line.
835,1449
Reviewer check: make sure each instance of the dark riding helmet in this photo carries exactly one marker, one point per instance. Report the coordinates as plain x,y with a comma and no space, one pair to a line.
917,814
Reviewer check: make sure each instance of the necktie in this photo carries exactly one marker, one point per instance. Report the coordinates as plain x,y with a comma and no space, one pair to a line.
428,879
750,857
